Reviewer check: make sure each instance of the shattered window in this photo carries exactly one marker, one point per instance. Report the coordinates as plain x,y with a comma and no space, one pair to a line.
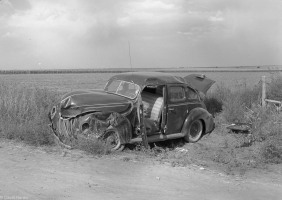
113,86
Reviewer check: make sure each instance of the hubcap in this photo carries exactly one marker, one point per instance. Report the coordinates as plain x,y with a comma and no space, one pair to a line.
112,140
195,129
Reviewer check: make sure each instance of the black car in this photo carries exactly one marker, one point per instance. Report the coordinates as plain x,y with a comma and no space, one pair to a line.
135,106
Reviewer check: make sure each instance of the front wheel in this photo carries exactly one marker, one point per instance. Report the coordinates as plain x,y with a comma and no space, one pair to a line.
194,132
112,140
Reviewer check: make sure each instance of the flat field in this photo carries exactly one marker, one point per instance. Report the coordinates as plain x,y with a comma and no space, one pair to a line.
72,81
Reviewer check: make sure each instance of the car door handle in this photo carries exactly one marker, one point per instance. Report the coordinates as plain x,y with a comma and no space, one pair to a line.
171,110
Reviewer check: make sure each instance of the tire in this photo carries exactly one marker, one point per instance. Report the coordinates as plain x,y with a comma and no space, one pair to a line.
194,132
112,140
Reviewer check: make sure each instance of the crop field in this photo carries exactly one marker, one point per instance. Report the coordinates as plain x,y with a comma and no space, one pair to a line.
71,81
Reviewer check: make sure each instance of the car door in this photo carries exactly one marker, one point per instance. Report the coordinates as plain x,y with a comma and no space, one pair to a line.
177,108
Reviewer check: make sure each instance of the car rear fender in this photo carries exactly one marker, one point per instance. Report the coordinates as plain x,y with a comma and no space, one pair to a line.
199,114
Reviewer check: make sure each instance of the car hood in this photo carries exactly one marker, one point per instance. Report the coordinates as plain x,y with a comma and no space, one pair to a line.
83,101
199,82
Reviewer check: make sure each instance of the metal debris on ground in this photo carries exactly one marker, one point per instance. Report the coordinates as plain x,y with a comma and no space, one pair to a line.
240,127
181,150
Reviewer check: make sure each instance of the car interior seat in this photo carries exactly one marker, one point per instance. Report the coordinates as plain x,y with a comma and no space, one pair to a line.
153,105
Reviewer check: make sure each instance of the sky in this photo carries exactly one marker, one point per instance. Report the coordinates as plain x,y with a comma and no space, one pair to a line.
61,34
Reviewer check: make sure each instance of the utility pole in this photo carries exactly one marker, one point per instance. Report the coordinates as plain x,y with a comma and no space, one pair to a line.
263,92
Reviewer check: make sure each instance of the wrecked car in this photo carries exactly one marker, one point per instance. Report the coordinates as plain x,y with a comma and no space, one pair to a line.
135,107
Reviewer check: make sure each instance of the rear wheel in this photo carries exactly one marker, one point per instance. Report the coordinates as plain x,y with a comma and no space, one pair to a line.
112,140
195,131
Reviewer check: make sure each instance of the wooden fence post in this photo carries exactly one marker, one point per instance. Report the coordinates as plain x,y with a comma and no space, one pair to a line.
263,92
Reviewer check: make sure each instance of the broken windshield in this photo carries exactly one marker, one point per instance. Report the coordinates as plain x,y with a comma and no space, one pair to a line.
123,88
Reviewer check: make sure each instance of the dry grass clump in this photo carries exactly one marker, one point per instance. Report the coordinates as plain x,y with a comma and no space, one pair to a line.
24,113
92,146
274,88
263,144
266,133
237,101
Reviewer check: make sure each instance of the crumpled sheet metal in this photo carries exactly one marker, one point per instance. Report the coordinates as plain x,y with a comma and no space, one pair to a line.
69,129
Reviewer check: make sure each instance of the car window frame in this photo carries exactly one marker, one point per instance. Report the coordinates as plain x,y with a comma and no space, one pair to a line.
195,91
169,100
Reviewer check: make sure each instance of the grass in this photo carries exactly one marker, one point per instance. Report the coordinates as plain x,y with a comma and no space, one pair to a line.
92,146
274,88
263,144
23,113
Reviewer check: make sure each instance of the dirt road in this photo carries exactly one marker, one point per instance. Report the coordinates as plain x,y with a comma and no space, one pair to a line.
35,173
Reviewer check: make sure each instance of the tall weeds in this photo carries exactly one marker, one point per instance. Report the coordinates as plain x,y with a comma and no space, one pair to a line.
274,88
234,103
264,143
24,113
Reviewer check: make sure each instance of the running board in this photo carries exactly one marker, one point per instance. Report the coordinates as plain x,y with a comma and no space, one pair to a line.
157,138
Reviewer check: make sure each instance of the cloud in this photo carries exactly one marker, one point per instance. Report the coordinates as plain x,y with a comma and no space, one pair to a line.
6,8
217,17
161,32
20,4
147,12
